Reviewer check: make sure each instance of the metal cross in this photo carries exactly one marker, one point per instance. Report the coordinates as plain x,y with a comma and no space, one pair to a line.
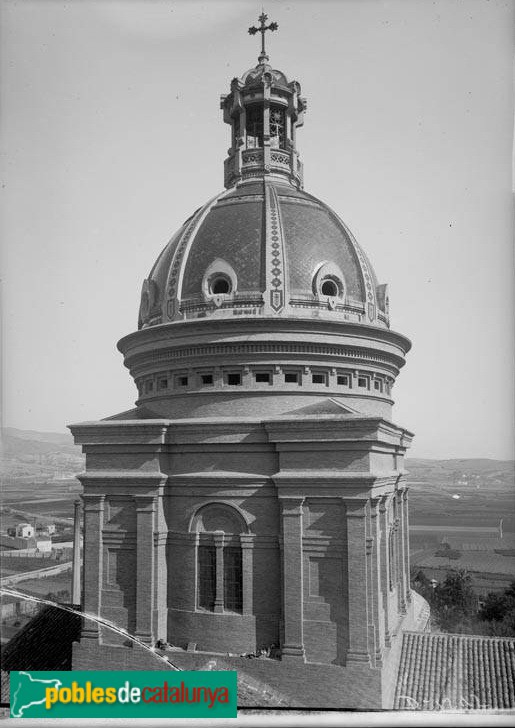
262,29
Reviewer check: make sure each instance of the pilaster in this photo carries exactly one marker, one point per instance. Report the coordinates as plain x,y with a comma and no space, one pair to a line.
377,605
357,576
400,548
247,552
76,564
145,510
384,561
93,561
218,538
405,540
293,592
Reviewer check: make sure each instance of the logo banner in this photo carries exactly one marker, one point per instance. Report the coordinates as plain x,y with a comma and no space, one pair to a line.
124,694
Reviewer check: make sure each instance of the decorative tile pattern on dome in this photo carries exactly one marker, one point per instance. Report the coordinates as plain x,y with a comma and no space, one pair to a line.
234,233
370,291
245,189
312,235
369,278
175,270
176,266
274,251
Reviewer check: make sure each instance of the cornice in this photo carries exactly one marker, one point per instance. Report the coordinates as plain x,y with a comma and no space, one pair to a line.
211,329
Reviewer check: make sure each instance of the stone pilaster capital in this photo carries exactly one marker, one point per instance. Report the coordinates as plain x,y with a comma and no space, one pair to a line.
247,540
382,504
218,538
291,506
369,544
93,502
375,504
356,507
145,503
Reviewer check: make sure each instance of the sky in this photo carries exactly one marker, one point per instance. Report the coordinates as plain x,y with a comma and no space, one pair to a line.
111,136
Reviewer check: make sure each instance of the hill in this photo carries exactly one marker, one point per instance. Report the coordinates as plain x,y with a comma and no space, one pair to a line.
26,453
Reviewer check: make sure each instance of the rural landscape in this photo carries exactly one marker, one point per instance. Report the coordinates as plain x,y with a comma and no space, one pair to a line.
462,521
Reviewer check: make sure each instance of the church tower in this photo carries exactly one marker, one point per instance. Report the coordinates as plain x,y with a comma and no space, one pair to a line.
255,496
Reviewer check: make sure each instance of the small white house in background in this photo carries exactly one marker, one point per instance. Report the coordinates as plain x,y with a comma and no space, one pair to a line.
24,530
50,529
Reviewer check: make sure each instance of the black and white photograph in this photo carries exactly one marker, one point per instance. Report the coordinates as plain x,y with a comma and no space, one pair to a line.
258,341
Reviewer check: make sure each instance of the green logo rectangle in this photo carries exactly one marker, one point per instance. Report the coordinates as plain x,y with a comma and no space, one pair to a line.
124,694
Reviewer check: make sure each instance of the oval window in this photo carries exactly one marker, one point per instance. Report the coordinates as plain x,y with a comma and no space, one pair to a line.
220,285
329,288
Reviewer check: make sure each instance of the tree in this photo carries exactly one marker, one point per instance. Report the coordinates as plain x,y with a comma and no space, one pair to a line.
422,585
494,608
454,602
498,612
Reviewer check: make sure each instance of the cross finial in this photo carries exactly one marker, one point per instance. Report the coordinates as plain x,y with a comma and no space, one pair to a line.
263,27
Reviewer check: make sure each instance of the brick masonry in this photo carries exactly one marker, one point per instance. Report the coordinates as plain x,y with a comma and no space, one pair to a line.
315,520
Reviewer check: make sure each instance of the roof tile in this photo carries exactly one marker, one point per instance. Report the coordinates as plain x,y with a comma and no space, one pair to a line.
452,672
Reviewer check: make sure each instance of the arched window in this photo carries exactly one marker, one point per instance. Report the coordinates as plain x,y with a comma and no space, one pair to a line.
219,558
329,288
254,126
206,577
220,284
328,282
277,127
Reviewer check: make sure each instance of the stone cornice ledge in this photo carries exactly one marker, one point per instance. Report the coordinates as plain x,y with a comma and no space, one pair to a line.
119,432
322,429
129,477
334,478
217,477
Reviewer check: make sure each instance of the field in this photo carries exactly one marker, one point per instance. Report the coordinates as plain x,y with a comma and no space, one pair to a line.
19,565
462,493
46,585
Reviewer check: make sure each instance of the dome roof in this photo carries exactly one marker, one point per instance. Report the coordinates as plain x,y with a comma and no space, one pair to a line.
255,75
263,248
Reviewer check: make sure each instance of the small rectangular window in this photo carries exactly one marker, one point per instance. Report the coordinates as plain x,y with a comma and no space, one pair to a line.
162,383
183,381
318,378
291,377
207,379
233,581
263,377
234,379
362,382
206,577
378,385
149,387
343,379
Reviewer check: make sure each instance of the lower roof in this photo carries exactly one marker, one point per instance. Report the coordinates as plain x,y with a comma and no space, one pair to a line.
455,672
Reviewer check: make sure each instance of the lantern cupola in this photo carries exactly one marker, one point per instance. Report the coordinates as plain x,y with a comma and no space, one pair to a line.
264,110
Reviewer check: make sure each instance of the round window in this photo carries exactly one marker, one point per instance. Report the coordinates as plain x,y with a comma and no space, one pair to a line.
220,285
329,288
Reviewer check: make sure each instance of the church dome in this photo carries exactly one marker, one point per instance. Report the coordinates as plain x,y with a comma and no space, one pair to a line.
263,248
263,303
